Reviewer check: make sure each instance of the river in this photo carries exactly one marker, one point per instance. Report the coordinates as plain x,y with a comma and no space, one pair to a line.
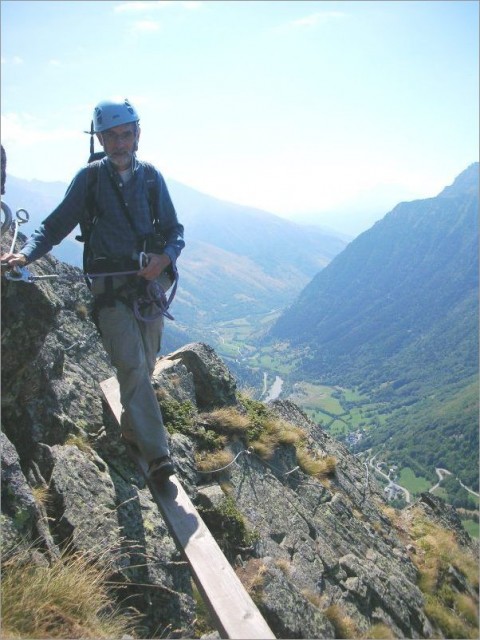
275,390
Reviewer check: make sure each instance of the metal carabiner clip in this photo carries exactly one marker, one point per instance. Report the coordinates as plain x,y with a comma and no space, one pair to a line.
22,216
143,259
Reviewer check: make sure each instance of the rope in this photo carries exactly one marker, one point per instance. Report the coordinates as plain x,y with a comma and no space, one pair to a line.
155,294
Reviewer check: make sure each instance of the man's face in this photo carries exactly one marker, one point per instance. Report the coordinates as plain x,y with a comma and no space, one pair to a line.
120,143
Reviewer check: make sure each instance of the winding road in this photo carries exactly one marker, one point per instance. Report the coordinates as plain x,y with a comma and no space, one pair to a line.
393,485
443,473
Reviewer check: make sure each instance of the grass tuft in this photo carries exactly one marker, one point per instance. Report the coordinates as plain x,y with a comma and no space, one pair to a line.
67,599
226,420
313,598
379,631
316,467
344,626
209,462
455,614
41,495
79,441
284,565
467,608
451,625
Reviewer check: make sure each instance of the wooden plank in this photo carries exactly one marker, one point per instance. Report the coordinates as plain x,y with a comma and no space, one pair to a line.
233,611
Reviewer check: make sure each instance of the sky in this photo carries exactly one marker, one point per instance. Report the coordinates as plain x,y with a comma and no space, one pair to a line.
303,109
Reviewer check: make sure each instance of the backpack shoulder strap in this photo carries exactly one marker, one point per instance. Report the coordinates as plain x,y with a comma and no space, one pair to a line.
91,212
153,194
92,179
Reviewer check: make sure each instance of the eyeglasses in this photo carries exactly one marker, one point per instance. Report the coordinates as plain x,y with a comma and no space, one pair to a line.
111,136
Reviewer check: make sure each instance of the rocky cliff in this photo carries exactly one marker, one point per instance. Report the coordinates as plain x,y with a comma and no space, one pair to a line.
316,546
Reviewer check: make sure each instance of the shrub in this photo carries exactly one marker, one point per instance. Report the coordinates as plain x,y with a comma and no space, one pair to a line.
265,432
284,565
440,549
252,576
177,416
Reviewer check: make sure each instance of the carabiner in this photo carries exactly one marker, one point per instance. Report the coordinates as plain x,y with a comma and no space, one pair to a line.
22,216
143,259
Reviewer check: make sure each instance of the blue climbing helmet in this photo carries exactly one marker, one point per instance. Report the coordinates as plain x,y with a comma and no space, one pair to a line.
108,114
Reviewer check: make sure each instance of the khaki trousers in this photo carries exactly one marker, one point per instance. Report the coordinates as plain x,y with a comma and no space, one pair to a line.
132,346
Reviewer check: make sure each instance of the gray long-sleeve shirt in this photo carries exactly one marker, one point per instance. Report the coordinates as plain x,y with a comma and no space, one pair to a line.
114,235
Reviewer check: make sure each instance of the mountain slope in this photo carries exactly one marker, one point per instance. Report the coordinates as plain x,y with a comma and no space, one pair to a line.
396,312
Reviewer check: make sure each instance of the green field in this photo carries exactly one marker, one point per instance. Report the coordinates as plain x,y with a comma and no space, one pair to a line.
340,411
317,398
471,527
415,484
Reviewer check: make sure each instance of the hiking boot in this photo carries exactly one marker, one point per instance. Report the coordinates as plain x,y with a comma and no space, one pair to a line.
160,469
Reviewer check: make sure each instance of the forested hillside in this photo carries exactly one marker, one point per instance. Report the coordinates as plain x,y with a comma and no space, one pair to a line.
396,315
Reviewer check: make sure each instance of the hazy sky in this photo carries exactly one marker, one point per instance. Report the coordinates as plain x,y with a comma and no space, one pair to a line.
294,107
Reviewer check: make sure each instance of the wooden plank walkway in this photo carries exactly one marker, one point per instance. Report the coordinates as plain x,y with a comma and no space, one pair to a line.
233,611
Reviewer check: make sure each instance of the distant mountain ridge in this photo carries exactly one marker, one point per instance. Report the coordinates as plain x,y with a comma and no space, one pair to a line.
396,313
415,245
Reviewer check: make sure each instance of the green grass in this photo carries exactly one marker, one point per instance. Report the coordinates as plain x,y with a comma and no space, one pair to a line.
338,428
318,416
441,493
472,528
415,484
318,397
352,395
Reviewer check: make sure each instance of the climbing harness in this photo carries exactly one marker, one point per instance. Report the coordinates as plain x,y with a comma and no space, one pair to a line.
154,292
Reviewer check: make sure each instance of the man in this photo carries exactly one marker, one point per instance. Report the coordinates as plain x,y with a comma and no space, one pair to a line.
122,230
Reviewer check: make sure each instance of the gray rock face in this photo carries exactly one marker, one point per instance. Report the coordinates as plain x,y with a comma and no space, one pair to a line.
214,384
311,546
